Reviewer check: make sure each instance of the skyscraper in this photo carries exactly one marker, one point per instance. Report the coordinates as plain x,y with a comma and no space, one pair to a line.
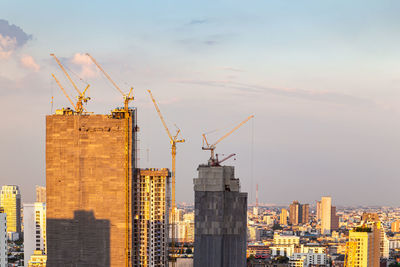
34,230
40,194
360,248
220,218
10,201
150,213
283,218
329,219
299,213
90,165
3,238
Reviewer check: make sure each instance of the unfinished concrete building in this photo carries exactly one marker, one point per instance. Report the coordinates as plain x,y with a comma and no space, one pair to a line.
220,218
90,164
150,213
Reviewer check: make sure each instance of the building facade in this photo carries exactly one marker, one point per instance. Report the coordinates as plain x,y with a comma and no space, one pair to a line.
90,165
361,251
329,219
283,218
10,201
220,218
298,213
34,230
40,194
3,238
150,213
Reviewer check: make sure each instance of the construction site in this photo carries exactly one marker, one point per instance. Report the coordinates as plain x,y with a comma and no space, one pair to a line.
102,210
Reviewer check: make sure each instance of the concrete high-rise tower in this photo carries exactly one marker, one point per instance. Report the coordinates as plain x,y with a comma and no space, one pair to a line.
220,218
90,165
10,201
299,213
150,213
329,219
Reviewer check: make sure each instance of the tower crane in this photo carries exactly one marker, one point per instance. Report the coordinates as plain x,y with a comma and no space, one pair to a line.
213,161
127,115
81,95
173,140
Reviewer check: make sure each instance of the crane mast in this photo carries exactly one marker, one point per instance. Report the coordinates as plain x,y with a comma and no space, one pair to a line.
127,116
173,140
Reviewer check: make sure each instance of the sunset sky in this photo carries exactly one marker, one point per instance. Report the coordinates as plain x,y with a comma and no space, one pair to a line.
321,77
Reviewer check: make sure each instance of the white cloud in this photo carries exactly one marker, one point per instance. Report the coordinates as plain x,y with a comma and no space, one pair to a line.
28,62
88,69
7,46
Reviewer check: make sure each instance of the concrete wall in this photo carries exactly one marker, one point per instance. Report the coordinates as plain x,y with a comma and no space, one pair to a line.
220,219
85,180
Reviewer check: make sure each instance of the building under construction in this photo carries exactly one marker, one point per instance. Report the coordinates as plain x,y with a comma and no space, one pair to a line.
150,218
90,165
220,218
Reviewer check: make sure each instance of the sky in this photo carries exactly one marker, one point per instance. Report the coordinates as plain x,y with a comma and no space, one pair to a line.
321,78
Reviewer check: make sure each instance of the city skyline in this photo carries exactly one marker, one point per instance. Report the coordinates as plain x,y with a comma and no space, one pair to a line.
321,79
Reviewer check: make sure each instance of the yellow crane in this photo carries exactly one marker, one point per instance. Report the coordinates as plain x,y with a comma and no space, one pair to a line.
213,160
127,116
78,106
81,95
173,140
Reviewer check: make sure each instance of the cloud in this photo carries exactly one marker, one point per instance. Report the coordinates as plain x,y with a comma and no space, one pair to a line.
313,95
197,21
7,46
28,62
11,38
88,69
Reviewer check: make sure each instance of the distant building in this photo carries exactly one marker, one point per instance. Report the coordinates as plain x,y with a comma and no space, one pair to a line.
298,213
34,230
283,218
284,245
3,238
150,213
395,227
361,251
329,219
38,259
318,210
381,242
40,194
10,201
220,218
308,259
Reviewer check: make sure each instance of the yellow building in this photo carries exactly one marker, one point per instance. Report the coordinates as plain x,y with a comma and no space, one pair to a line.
38,259
395,227
361,251
283,220
10,201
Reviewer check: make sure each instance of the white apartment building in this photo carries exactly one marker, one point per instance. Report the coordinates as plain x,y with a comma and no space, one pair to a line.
3,238
308,259
34,229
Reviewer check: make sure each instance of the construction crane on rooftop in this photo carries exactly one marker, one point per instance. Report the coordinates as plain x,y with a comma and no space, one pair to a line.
173,140
213,161
127,115
81,95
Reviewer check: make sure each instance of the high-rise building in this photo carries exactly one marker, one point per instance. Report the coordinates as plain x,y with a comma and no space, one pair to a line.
38,259
361,249
381,242
10,201
3,238
329,219
90,165
298,213
40,194
283,218
318,210
150,213
34,230
220,218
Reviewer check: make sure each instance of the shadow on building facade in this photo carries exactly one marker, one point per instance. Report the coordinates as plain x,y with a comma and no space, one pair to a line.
81,241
